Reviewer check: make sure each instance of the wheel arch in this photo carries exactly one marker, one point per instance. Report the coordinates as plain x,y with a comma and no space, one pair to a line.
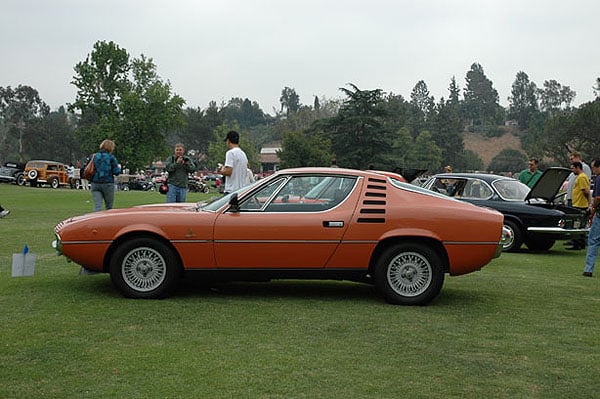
134,235
391,241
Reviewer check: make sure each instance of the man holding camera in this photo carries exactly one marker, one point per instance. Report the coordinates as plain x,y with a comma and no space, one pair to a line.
179,166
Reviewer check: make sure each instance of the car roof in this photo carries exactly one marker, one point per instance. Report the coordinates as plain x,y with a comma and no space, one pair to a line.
327,170
48,162
487,177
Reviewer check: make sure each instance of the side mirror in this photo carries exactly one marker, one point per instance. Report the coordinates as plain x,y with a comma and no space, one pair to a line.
234,203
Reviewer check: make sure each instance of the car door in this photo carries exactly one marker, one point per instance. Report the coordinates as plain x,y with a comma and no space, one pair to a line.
293,222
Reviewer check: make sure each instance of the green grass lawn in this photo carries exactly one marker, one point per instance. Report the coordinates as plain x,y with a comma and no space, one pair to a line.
526,326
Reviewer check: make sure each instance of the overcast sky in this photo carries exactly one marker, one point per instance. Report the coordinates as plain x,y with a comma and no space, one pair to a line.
219,49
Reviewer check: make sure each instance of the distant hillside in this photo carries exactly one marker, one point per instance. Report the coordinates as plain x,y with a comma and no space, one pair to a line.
488,147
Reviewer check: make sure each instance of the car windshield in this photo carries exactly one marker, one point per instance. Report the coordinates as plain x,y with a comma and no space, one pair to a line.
511,190
216,203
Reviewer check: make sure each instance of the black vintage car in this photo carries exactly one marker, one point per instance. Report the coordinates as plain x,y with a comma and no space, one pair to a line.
139,184
13,172
533,216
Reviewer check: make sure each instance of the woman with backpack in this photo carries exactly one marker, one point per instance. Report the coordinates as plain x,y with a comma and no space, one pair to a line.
106,167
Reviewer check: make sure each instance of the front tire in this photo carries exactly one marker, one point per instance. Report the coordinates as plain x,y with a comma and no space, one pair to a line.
21,179
409,274
145,268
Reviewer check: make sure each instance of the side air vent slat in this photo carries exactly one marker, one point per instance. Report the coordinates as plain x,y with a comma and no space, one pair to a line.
380,195
373,202
371,220
372,211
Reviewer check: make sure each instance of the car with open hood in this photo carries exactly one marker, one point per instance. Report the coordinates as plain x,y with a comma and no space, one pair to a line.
308,223
535,217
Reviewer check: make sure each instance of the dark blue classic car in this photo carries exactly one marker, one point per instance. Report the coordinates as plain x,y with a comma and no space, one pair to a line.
533,216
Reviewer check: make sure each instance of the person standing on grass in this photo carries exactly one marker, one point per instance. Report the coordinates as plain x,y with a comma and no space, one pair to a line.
106,167
593,240
179,166
575,156
532,174
235,168
581,196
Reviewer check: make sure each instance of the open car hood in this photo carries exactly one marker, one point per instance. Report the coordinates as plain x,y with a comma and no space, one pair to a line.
409,174
549,184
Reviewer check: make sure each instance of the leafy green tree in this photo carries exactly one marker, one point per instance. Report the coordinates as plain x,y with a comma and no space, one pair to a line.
480,98
597,88
523,101
21,111
422,107
508,160
358,133
447,133
470,160
300,149
243,111
555,97
199,127
427,154
290,101
573,130
454,97
125,101
54,138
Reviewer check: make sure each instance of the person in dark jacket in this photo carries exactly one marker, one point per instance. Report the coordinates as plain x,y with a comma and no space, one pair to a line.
179,166
103,183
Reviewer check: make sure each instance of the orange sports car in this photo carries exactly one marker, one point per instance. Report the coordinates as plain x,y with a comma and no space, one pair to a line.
323,223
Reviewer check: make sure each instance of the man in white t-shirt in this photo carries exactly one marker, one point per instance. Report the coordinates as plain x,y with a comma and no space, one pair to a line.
236,164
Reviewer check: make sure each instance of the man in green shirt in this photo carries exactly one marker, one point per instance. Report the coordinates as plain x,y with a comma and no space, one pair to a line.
531,175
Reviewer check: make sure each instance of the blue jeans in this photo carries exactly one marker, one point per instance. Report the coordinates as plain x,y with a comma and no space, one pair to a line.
103,191
176,194
593,244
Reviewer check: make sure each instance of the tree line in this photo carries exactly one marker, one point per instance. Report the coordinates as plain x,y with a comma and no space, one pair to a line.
123,98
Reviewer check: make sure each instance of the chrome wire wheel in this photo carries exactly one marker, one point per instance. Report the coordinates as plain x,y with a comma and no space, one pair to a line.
508,240
143,269
409,274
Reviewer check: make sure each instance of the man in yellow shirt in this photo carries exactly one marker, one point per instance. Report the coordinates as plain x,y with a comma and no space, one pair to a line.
581,196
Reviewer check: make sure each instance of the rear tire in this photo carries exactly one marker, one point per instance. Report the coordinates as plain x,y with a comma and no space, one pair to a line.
54,183
516,236
145,268
409,274
540,244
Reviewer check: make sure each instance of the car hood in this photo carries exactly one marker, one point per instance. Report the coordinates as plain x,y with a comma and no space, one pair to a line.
549,184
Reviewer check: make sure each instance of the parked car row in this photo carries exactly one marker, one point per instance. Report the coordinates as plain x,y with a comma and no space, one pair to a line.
55,174
535,217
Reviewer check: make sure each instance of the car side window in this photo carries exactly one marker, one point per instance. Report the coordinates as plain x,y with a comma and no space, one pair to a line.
257,200
477,189
301,194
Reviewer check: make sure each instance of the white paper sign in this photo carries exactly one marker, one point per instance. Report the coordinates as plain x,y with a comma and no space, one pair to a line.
23,265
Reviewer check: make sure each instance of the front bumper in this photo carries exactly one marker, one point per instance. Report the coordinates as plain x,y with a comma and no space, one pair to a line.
558,232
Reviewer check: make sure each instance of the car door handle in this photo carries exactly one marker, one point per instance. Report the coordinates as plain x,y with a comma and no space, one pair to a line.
333,224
